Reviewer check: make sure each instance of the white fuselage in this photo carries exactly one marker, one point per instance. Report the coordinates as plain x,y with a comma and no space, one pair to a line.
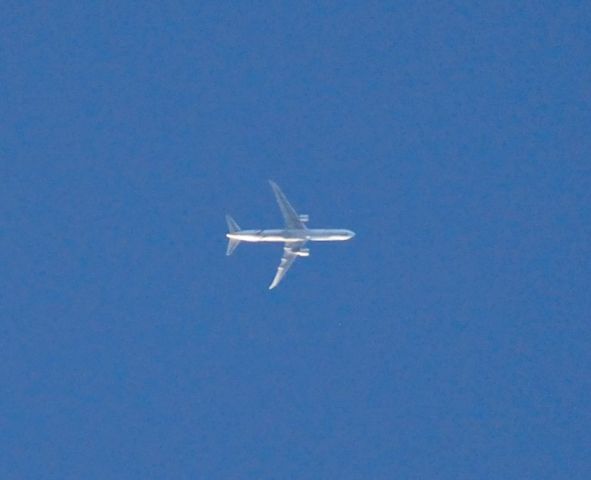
288,236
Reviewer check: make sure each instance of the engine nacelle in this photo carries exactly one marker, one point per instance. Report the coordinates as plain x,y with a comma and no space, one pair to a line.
304,217
302,252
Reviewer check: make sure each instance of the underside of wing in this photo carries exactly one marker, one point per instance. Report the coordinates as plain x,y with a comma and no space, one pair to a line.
290,253
291,218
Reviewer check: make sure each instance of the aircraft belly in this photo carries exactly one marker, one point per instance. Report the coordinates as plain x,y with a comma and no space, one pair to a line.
274,238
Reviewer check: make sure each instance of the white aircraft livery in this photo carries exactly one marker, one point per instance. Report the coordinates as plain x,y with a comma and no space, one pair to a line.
295,235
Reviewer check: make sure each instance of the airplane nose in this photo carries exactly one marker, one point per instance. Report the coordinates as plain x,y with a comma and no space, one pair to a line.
351,233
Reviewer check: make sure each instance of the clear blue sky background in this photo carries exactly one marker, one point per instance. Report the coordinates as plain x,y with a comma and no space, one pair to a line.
450,339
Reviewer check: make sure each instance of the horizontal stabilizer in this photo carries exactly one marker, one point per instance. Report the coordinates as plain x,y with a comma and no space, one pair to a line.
232,225
232,244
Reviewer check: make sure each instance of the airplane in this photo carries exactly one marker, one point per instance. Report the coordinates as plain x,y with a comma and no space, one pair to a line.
295,235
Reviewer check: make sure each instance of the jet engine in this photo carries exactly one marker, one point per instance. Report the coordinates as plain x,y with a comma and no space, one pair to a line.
304,217
302,252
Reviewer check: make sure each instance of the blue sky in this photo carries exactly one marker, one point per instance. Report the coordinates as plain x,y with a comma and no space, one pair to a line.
449,339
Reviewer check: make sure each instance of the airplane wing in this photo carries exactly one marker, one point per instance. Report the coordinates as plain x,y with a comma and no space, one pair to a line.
289,256
291,218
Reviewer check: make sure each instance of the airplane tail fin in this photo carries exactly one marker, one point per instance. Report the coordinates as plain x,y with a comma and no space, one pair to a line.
232,242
